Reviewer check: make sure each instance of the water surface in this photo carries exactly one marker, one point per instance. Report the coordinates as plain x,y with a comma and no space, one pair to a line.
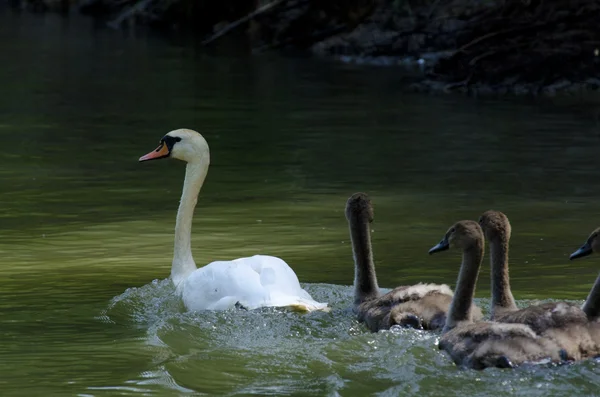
86,231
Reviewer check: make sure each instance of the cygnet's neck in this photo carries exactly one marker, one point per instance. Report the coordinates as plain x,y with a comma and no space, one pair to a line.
502,297
183,262
591,307
365,279
460,308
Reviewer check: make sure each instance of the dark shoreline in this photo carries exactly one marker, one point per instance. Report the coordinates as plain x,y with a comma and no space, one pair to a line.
510,47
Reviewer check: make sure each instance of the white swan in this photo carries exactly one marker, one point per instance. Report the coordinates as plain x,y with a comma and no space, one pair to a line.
252,282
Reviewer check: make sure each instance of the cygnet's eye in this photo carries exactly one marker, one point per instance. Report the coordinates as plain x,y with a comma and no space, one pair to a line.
452,230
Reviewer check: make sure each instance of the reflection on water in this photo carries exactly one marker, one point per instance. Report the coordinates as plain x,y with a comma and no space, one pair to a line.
85,229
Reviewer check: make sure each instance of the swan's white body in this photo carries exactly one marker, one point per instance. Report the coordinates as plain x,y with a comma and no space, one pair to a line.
253,282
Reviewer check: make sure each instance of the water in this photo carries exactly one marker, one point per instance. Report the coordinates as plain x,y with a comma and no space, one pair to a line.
86,231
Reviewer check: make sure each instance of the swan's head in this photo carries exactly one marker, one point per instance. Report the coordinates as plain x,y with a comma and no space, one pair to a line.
591,245
359,207
495,225
183,144
463,235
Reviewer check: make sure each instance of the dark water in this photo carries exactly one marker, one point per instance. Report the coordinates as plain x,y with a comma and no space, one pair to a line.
86,231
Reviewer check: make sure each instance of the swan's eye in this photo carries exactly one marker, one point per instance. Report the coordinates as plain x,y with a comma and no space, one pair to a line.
170,141
169,138
452,230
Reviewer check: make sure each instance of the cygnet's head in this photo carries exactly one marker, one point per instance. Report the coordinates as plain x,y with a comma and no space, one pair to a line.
463,235
183,144
359,207
495,225
591,245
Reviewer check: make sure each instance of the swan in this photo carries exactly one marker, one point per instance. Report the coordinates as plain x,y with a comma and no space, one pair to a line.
421,306
487,343
252,282
591,307
540,318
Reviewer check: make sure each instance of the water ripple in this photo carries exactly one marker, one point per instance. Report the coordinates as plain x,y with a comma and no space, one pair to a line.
274,351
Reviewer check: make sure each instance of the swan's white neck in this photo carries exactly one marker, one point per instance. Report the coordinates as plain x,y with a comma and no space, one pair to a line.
183,262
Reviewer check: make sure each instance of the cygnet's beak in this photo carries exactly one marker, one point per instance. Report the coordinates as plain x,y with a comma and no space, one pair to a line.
160,152
442,246
585,250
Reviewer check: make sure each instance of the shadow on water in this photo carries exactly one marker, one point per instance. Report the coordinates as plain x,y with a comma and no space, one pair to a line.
290,139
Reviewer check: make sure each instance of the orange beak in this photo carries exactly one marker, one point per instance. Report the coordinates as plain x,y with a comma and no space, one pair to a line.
160,152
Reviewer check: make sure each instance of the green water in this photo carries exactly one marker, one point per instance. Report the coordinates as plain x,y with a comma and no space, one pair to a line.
86,231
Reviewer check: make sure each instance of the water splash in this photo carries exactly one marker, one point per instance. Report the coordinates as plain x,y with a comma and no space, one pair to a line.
274,351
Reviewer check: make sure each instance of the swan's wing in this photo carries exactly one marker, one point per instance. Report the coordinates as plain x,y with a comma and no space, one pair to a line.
275,274
253,282
281,283
220,285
